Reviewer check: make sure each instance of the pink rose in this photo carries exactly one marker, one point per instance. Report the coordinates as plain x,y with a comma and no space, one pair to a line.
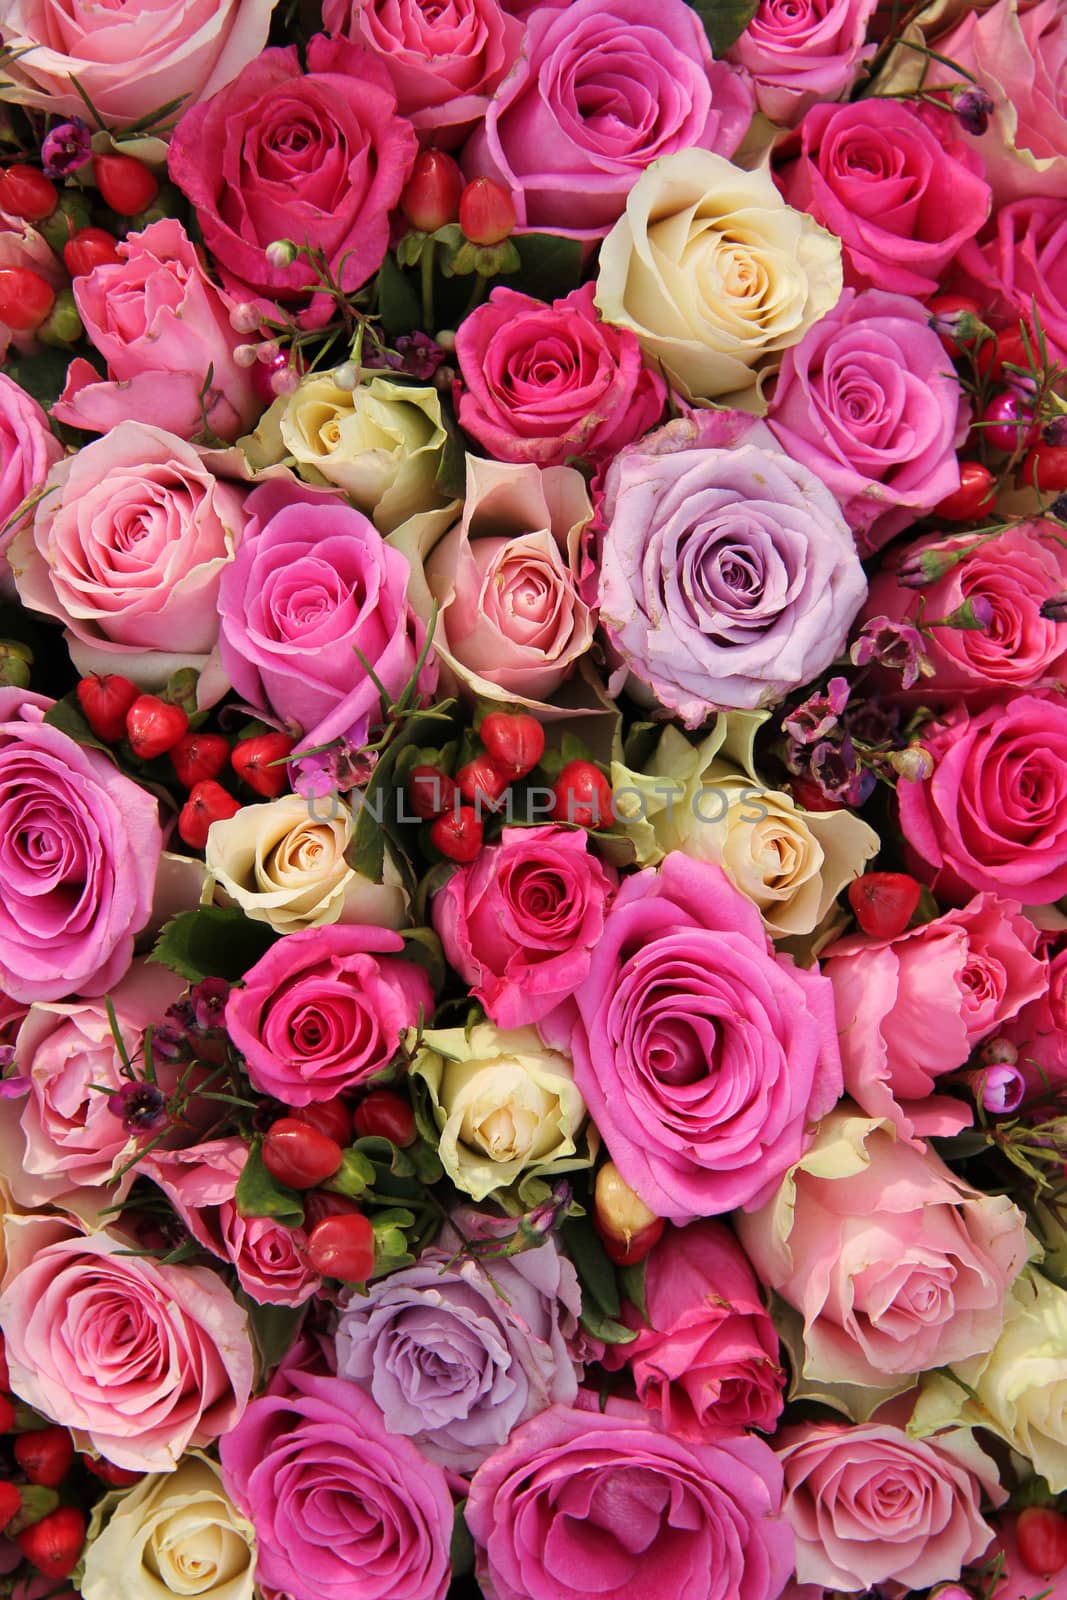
28,448
899,191
801,53
1022,265
866,402
128,553
147,1360
1039,1033
133,62
894,1262
323,1011
444,62
318,157
162,326
552,383
913,1008
598,93
994,813
520,924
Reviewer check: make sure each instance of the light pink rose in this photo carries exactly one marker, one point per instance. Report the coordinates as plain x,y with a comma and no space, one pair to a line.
163,328
128,553
133,61
28,448
803,52
913,1008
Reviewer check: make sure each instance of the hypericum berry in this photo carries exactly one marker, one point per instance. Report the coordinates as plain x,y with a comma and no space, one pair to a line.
486,212
1045,469
628,1230
884,902
382,1114
481,782
458,834
54,1544
26,299
88,249
208,802
1041,1537
514,742
1007,348
952,316
108,1472
7,1414
260,762
342,1247
105,701
154,726
322,1203
582,794
431,792
1008,423
331,1117
299,1155
10,1503
26,192
974,496
45,1455
430,198
125,184
199,756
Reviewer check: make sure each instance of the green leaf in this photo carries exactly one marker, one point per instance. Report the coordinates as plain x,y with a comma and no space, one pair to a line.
354,1176
632,1280
724,21
37,1502
606,1328
550,266
398,300
423,947
68,717
214,942
274,1329
461,1551
593,1267
260,1195
43,375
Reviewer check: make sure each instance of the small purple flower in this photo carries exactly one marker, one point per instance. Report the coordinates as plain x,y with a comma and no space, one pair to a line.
140,1107
1055,432
169,1044
973,107
343,766
836,769
895,646
66,148
208,999
817,716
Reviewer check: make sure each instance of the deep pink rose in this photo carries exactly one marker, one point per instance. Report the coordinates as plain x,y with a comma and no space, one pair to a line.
1039,1033
520,924
703,1057
802,52
598,93
579,1503
901,194
162,326
323,1011
994,813
319,158
342,1509
149,1360
28,448
552,383
1022,265
313,583
894,1262
444,61
913,1008
867,401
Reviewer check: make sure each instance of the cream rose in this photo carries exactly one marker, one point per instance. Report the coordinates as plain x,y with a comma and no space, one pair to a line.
284,863
173,1534
505,1105
714,273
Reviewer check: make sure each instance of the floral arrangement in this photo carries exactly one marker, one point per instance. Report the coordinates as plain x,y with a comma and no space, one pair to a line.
533,799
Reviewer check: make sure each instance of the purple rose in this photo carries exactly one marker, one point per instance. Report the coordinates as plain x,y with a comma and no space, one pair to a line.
342,1509
598,93
728,575
581,1503
869,403
457,1355
703,1057
312,584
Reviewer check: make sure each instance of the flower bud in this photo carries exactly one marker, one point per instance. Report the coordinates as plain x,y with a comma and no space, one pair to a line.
973,107
915,764
999,1090
62,326
997,1052
346,376
281,253
622,1219
245,318
430,199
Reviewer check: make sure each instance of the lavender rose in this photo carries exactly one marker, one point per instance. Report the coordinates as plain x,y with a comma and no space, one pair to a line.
728,574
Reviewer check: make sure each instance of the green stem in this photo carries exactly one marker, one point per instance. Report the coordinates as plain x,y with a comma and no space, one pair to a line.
426,261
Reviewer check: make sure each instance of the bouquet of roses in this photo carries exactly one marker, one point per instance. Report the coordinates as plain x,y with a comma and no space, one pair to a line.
533,799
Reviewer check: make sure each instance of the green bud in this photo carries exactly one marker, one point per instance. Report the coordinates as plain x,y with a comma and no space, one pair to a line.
353,1177
16,659
62,326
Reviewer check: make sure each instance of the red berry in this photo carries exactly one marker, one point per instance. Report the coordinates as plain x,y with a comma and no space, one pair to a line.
972,499
582,794
45,1455
125,184
299,1155
385,1115
260,762
459,834
322,1203
514,741
10,1503
1041,1536
1045,469
431,792
7,1414
1008,423
199,756
810,797
331,1117
1008,347
430,198
26,192
25,298
208,802
55,1543
481,783
105,702
108,1472
627,1228
342,1247
154,726
88,249
486,212
884,902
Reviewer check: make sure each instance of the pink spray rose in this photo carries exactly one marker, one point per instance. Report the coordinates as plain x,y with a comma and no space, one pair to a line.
598,93
703,1057
1022,264
1039,1033
866,401
521,922
994,813
323,1011
579,1503
28,448
895,1263
162,326
901,195
317,157
912,1008
804,52
551,383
